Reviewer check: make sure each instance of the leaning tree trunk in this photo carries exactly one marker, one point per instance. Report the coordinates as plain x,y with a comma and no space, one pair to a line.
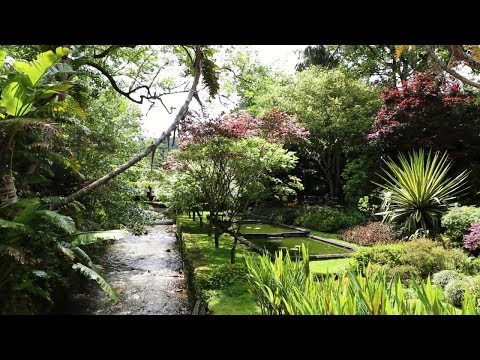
197,67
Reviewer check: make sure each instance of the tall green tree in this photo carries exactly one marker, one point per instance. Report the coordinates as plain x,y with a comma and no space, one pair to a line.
338,111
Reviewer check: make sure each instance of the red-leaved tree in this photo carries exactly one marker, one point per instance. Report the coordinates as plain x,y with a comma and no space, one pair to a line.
431,113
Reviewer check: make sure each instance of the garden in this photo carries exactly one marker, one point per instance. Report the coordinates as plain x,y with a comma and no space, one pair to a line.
349,186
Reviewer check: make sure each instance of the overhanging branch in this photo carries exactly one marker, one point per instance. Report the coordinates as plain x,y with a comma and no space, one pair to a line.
452,72
114,173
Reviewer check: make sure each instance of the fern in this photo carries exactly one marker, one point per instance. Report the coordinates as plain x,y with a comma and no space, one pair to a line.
91,274
94,236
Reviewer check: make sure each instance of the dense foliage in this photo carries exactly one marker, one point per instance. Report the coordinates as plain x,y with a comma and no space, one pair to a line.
284,287
370,234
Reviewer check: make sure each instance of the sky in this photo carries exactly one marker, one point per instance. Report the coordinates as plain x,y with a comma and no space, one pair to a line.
279,57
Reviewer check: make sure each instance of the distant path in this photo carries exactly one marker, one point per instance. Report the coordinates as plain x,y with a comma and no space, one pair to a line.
146,272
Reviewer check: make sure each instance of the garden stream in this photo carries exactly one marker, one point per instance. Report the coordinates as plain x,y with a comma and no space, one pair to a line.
146,272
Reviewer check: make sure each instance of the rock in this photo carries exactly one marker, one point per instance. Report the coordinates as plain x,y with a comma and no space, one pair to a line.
168,250
179,290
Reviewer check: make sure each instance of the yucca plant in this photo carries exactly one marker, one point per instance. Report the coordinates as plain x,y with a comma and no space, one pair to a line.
418,191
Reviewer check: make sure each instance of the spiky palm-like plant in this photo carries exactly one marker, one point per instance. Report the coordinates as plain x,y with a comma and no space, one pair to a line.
417,191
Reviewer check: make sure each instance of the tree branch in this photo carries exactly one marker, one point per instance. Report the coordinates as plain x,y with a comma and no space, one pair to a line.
114,173
108,50
460,55
452,72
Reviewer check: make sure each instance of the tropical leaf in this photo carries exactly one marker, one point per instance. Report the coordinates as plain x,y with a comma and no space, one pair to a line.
55,89
65,162
19,91
85,259
64,248
29,207
36,69
91,274
63,222
3,53
87,238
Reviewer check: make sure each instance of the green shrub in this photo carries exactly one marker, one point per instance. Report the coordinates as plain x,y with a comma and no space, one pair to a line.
370,234
385,255
458,219
403,272
425,255
222,278
442,278
329,219
455,291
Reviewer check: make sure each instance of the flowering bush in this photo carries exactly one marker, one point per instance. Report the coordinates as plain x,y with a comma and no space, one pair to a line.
471,241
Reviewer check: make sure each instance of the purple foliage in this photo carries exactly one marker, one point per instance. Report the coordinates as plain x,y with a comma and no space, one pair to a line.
471,241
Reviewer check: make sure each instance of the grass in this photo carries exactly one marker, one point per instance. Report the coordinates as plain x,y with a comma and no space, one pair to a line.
329,266
206,259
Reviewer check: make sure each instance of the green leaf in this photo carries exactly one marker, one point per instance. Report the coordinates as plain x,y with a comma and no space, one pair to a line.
87,238
5,224
85,259
41,274
19,91
63,222
91,274
65,249
3,53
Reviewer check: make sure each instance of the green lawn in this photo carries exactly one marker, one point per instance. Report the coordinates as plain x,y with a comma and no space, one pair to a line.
206,259
329,266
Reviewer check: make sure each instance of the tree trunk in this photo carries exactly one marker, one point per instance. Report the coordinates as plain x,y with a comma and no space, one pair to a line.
232,252
193,212
200,218
217,235
114,173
